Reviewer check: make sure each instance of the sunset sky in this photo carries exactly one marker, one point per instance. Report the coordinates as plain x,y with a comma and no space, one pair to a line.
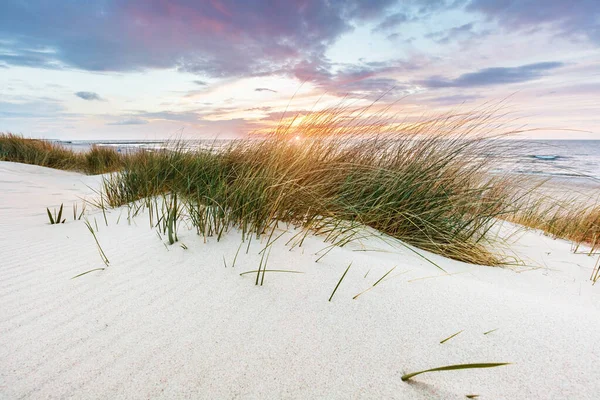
137,69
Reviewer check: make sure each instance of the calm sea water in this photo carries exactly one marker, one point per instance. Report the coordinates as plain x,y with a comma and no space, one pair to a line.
566,158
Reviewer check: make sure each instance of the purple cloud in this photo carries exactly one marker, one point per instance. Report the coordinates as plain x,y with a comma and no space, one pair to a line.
218,38
89,96
263,89
572,18
462,32
391,22
493,76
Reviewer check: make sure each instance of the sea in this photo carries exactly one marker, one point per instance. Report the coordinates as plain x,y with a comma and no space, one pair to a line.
551,158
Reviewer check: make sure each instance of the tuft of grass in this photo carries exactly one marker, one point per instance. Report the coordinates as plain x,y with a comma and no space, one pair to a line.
76,214
575,218
56,218
452,368
97,160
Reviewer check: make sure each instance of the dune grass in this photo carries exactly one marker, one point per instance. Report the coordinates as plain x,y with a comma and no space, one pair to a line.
50,154
425,183
574,219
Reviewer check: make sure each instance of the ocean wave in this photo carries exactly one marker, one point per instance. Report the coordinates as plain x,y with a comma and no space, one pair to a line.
546,157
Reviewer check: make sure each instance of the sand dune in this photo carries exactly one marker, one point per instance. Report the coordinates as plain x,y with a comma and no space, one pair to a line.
167,322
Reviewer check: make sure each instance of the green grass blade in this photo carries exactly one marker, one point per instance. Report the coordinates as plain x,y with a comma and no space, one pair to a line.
50,216
451,336
453,367
386,274
236,254
272,270
58,219
340,281
493,330
87,272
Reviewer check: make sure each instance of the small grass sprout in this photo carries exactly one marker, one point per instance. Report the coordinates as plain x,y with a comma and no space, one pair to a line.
56,218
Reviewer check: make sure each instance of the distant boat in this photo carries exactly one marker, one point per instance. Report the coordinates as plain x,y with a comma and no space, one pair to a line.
545,157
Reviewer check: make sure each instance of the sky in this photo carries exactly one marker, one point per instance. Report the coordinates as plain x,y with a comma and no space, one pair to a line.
154,69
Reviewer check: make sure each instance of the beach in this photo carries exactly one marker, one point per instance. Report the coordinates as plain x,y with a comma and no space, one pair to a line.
173,321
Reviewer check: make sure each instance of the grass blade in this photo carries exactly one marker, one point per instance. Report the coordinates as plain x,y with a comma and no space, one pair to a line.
272,270
236,254
50,216
340,281
58,219
451,336
87,272
452,368
386,274
493,330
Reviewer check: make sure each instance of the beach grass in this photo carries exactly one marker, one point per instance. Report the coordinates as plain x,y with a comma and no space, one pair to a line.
45,153
425,184
331,173
572,219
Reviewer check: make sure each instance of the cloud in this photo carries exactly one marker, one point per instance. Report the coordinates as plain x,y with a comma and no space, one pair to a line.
218,38
27,58
455,99
373,88
570,18
130,121
262,89
361,80
391,22
200,83
493,76
262,108
90,96
462,32
409,11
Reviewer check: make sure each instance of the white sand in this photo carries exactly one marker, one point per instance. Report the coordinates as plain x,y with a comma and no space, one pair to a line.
175,323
